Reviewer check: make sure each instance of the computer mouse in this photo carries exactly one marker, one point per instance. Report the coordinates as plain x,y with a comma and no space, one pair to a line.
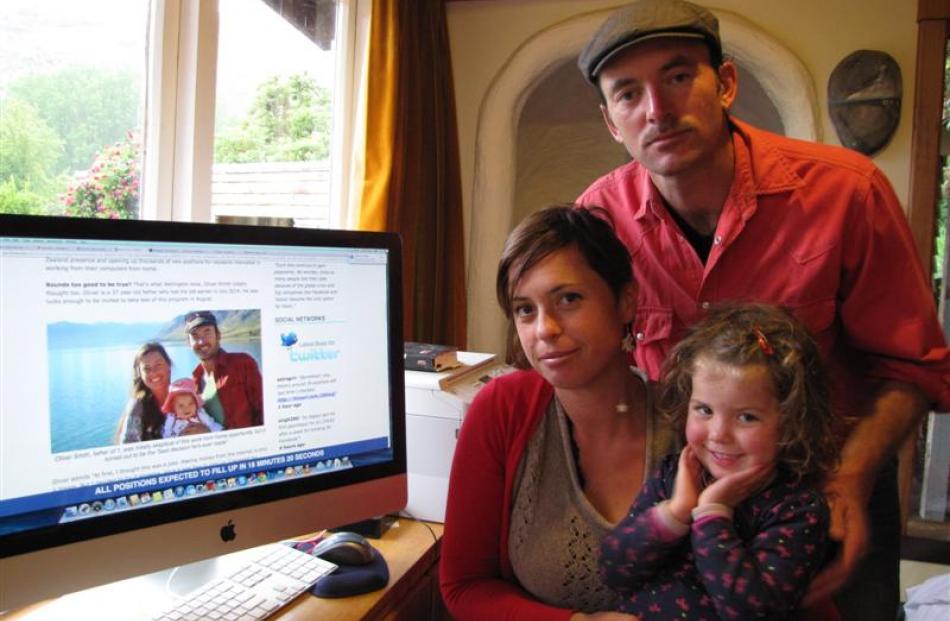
344,548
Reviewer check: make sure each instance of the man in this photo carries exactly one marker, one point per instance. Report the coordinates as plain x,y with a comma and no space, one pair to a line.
713,209
230,384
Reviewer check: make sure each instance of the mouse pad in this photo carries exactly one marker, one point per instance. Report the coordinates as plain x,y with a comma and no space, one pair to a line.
350,580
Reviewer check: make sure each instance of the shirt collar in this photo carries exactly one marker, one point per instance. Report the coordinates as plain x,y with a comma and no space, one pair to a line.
760,168
220,360
653,202
764,168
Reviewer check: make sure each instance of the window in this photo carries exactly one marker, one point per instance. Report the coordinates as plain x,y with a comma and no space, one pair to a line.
273,113
72,95
217,110
929,484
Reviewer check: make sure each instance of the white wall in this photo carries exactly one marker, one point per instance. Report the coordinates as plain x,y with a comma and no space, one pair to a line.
484,34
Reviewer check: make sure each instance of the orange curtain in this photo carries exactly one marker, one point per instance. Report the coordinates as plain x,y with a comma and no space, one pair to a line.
412,181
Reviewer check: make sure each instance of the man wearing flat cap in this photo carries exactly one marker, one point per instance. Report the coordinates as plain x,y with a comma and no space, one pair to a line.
229,383
713,209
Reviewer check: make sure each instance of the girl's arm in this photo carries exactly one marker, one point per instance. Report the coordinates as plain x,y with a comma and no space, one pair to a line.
765,577
641,543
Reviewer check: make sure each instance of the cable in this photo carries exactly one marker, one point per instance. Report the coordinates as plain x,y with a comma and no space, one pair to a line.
168,581
306,545
404,513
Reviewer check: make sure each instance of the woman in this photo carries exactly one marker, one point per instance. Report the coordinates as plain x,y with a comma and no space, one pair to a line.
549,458
142,418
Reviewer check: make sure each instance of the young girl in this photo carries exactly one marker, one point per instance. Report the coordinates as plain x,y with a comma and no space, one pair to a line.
183,412
734,527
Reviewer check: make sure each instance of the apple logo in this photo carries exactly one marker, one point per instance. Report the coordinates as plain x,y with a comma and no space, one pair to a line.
227,532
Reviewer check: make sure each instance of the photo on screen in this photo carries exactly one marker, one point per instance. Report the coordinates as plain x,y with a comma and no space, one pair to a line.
93,378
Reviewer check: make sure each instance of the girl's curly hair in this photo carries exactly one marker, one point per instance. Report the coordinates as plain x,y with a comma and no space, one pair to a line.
743,334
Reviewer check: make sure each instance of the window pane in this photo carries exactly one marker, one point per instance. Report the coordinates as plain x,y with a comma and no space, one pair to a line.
930,487
72,84
273,117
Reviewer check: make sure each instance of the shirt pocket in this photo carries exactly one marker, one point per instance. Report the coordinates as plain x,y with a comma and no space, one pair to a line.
819,318
652,324
811,284
654,332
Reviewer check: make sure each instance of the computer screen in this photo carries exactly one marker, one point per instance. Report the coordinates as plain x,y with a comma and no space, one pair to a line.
170,392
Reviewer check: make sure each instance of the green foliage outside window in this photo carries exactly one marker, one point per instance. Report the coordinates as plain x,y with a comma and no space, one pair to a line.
88,108
29,150
75,124
289,121
53,126
19,198
943,201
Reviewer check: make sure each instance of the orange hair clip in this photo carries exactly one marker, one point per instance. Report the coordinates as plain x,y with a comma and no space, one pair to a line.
767,348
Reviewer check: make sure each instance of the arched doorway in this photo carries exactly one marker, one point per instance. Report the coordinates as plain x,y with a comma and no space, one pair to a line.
540,137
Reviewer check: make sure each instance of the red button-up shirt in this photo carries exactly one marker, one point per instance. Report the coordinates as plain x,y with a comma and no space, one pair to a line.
238,382
814,228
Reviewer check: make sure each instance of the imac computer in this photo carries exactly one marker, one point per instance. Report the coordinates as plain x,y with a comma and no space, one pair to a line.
277,351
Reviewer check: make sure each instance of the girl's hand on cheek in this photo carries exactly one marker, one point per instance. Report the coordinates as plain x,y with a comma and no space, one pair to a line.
687,486
733,488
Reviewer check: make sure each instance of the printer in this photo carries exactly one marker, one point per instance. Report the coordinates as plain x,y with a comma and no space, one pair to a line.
435,407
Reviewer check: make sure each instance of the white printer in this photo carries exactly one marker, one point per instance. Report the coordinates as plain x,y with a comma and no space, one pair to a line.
435,407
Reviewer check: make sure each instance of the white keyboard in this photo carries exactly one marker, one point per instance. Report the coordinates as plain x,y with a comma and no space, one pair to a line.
255,591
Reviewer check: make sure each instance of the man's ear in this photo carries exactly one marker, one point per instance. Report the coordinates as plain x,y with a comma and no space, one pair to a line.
728,83
610,124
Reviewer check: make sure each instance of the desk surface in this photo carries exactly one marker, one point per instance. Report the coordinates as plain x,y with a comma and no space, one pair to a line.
410,548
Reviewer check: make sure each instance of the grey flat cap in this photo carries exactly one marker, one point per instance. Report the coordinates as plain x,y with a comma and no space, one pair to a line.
648,19
199,318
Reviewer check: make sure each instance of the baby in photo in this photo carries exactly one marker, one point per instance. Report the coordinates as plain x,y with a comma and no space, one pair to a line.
183,411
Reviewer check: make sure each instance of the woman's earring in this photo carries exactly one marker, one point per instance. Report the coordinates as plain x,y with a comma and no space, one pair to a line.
629,342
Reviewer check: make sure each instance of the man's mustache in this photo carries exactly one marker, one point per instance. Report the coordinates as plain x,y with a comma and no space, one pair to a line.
663,130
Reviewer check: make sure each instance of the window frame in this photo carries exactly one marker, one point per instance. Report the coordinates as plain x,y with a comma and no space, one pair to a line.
180,104
933,28
933,31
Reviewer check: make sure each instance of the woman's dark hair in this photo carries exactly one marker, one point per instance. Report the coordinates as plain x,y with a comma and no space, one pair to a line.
589,229
152,417
743,334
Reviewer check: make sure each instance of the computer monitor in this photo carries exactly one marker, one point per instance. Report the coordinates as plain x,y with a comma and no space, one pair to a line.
301,422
